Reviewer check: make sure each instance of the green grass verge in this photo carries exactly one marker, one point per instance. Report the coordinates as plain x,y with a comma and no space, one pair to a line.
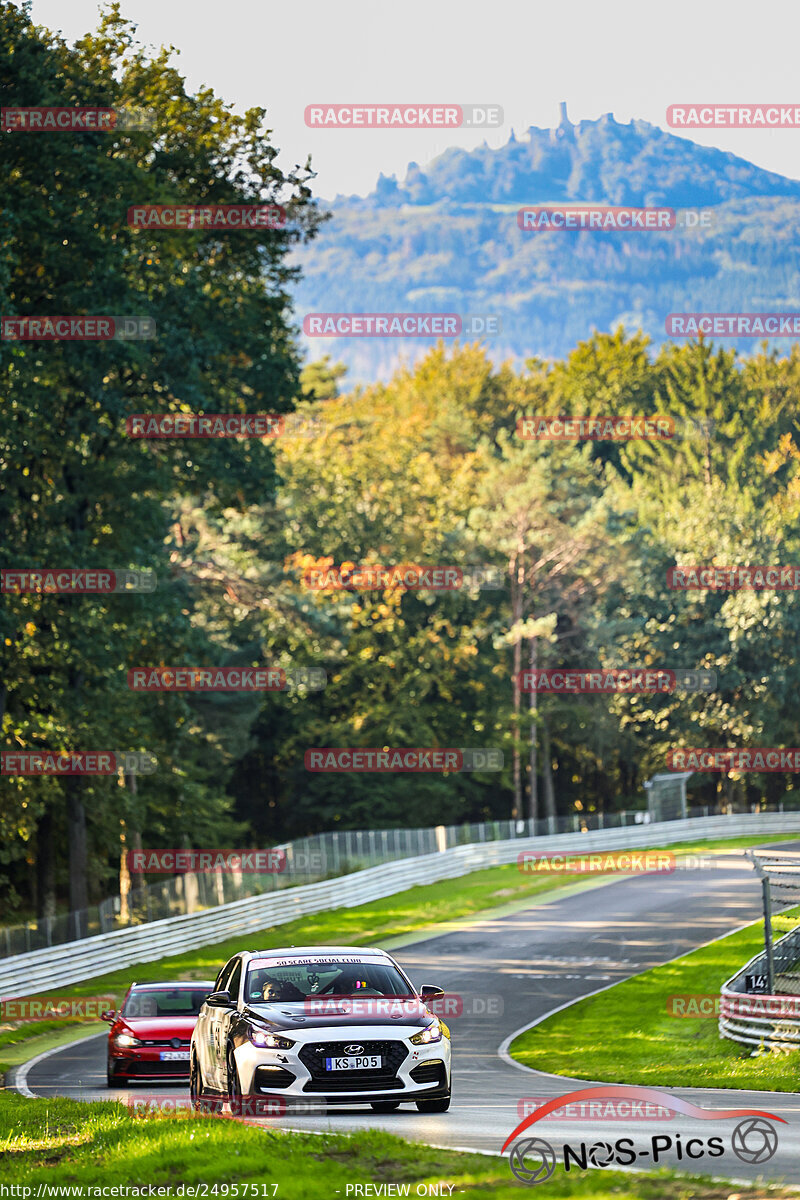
626,1034
66,1142
414,912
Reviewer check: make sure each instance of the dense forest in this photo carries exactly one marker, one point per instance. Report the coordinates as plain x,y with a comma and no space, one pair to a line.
425,468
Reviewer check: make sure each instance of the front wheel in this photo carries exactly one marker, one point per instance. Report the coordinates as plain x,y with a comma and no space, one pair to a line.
196,1087
434,1106
234,1087
115,1080
384,1105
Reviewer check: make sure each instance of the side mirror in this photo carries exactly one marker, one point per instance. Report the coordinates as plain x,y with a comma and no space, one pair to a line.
429,991
109,1015
219,1000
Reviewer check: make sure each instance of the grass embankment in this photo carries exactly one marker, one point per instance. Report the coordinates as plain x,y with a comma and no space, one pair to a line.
66,1143
627,1035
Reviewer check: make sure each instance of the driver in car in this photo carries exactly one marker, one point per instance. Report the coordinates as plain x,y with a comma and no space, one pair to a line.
277,990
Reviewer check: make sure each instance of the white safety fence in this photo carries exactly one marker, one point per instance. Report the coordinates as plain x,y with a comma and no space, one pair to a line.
57,966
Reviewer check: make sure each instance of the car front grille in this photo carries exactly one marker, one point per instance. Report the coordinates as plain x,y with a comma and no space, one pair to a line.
166,1042
384,1078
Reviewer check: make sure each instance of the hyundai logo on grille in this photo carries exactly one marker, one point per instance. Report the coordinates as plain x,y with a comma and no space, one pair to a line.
354,1049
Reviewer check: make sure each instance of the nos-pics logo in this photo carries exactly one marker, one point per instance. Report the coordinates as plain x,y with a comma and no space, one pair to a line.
753,1140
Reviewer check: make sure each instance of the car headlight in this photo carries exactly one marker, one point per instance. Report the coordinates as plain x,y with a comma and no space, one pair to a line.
270,1041
433,1033
126,1039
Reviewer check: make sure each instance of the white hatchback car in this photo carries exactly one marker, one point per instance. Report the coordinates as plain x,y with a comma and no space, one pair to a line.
337,1024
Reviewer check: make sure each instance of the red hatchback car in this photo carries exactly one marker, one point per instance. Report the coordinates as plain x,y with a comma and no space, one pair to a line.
150,1035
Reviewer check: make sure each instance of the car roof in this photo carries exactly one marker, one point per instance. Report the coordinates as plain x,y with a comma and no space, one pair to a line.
321,951
179,983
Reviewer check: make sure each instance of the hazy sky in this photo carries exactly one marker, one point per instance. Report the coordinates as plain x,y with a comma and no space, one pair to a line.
630,59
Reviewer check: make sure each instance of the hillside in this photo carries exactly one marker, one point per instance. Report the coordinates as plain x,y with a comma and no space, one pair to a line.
446,239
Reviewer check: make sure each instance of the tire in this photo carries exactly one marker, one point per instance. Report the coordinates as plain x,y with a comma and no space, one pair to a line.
196,1086
434,1106
234,1087
116,1080
384,1106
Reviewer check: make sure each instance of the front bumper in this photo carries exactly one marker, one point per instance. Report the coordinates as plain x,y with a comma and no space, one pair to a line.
146,1064
407,1072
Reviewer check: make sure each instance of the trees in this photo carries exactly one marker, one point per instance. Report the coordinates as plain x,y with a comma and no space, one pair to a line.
78,491
539,507
422,469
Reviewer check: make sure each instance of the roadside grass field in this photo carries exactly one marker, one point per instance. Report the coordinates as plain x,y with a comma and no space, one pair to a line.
66,1143
626,1034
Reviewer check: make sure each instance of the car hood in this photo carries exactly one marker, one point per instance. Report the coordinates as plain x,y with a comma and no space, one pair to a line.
159,1027
284,1016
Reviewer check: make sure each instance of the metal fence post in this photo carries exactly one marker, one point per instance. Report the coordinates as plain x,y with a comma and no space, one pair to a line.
765,888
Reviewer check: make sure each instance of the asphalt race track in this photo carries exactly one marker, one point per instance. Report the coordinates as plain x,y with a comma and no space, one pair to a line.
536,960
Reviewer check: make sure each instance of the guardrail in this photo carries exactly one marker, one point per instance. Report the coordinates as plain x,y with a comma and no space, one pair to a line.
767,1020
28,974
306,860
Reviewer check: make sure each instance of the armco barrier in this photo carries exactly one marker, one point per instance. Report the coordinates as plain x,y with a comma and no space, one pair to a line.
27,974
308,860
756,1018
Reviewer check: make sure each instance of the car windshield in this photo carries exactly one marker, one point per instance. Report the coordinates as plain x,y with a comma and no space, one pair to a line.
164,1002
293,982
